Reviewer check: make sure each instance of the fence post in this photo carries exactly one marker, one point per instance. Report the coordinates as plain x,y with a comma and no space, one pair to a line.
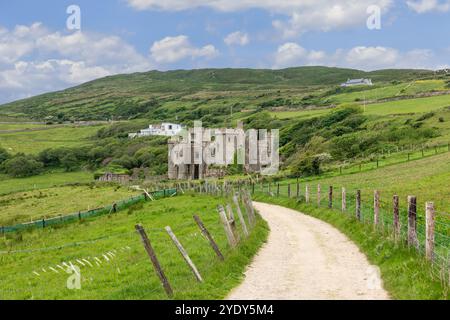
358,205
330,197
151,253
241,217
278,189
231,218
307,194
396,218
412,221
184,254
376,207
289,190
318,195
344,200
429,244
208,236
298,189
226,226
253,188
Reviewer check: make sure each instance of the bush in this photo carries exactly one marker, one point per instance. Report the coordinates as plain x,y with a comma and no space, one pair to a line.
4,155
22,166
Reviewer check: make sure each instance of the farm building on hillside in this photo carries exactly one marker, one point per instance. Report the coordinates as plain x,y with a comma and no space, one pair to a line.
163,129
357,82
201,153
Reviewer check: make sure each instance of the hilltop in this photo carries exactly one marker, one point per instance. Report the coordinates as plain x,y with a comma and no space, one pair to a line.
134,95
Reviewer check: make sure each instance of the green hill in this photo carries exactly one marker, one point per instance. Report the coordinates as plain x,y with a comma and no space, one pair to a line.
132,95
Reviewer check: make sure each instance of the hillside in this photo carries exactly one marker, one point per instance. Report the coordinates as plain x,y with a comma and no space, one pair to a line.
131,95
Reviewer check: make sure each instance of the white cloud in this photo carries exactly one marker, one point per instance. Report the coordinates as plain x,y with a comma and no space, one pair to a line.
34,60
237,38
423,6
173,49
365,58
304,15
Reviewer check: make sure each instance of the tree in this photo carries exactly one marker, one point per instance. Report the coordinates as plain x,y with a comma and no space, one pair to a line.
69,162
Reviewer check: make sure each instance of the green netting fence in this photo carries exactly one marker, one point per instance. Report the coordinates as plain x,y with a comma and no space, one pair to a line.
62,219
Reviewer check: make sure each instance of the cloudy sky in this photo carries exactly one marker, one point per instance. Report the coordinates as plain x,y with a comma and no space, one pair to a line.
38,53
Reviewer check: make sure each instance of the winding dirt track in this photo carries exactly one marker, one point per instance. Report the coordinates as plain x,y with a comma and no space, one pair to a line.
307,259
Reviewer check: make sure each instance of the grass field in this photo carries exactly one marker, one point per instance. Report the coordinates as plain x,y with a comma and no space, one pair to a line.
26,259
46,203
32,142
10,185
426,178
418,105
383,92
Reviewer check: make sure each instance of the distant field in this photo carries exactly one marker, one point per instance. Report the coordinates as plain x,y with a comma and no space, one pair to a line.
10,185
21,126
32,142
418,105
403,89
127,273
46,203
303,114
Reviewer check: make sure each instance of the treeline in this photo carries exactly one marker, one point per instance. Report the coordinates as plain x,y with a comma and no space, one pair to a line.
109,154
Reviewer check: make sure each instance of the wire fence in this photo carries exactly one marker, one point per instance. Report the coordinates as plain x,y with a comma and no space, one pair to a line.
81,215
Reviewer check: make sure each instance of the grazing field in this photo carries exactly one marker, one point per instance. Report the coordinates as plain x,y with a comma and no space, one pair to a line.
47,203
21,126
58,178
33,264
32,142
300,114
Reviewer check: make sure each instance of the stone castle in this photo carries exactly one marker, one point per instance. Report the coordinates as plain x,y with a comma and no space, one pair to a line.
199,153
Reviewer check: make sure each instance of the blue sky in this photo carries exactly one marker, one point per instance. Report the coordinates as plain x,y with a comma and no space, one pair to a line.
39,54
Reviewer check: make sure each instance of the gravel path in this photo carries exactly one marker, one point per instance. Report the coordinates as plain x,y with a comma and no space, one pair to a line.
307,259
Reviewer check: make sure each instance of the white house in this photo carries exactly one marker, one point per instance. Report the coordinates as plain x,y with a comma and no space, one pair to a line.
163,129
357,82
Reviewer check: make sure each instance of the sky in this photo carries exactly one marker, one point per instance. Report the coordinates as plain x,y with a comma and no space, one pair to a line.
50,45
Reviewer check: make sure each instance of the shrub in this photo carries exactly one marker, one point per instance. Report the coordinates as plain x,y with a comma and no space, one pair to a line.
22,166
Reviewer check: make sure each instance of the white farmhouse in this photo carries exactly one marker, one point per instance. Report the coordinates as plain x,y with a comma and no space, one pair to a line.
357,82
163,129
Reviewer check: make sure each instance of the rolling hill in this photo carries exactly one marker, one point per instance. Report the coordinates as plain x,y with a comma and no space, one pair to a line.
132,95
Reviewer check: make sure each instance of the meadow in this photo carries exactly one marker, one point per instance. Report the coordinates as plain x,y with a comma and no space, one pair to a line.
32,142
46,203
113,263
47,180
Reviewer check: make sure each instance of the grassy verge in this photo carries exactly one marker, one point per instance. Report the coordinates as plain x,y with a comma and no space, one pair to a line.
26,259
405,273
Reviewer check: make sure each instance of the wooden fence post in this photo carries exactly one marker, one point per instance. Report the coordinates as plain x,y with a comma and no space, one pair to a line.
231,218
241,217
298,189
226,226
396,218
330,197
249,208
376,208
208,236
344,200
412,221
318,195
278,189
307,194
289,190
429,244
184,254
358,205
151,253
